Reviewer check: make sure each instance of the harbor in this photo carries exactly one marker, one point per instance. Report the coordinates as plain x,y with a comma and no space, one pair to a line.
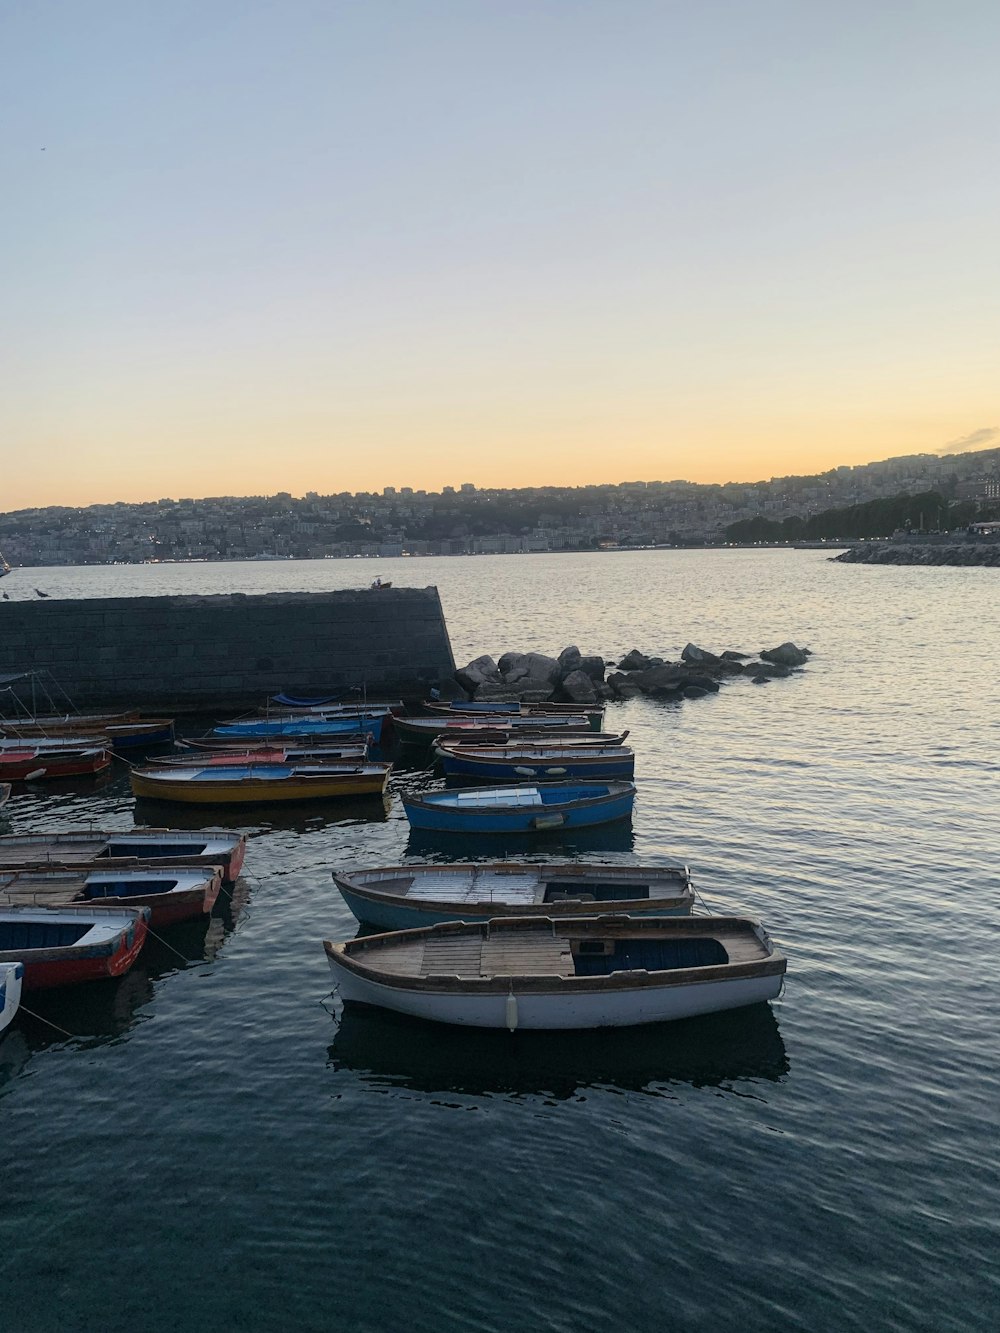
797,805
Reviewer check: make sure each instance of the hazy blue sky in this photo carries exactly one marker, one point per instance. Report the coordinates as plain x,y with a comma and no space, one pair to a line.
320,246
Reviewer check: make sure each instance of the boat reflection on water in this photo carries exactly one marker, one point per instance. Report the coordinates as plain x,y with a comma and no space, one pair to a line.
553,844
82,1017
387,1049
84,785
304,818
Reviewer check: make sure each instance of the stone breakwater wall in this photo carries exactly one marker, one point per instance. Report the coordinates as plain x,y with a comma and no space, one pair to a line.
579,678
959,553
206,652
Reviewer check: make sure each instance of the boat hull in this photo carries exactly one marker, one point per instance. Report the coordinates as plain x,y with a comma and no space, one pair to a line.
158,848
303,729
529,819
555,1011
45,969
141,734
11,981
39,766
256,792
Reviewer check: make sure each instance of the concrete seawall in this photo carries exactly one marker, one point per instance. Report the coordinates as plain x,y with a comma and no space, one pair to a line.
198,652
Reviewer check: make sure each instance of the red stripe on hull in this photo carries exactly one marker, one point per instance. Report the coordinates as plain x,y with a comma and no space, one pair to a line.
72,971
232,871
52,768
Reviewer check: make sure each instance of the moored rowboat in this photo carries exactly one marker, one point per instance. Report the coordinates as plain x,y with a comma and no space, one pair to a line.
259,784
430,728
402,897
523,809
269,754
171,895
60,946
610,971
501,739
126,850
302,728
34,763
510,764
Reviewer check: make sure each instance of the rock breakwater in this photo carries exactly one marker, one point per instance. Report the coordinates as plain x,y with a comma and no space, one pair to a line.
916,553
579,678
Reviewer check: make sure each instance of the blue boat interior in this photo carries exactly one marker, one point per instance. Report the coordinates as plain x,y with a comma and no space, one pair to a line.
557,795
488,798
126,888
149,851
588,891
591,958
41,934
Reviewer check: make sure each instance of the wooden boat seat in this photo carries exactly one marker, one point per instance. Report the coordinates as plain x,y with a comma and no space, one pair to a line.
488,798
502,953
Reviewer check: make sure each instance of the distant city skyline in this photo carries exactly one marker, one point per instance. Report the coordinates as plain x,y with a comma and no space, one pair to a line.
253,248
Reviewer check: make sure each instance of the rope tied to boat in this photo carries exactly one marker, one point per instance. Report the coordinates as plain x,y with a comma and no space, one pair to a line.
23,1008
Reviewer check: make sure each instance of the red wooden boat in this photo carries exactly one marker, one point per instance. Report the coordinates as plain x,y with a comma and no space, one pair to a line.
62,946
171,895
34,763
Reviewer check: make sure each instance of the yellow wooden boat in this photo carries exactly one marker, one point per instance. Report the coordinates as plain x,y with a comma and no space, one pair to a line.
260,784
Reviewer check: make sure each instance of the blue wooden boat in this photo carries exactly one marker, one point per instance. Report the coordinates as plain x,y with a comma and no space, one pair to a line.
407,896
524,809
552,764
304,727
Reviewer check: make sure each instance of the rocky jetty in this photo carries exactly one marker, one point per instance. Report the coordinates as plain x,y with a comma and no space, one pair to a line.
575,677
919,553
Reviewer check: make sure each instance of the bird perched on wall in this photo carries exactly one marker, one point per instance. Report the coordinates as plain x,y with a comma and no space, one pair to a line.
6,597
40,593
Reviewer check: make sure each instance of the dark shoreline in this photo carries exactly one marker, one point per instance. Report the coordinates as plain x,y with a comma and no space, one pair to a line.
985,554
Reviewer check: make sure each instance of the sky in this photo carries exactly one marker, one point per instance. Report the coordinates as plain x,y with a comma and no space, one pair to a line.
322,246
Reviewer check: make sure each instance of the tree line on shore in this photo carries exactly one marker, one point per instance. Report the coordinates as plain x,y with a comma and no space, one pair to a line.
929,511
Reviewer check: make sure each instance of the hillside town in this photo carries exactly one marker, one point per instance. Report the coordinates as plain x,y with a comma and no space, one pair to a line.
467,520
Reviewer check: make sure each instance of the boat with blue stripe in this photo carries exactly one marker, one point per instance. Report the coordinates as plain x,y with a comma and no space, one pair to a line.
305,728
537,808
404,897
259,783
549,764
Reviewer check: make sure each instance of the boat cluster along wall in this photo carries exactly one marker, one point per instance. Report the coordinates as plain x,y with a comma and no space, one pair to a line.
209,652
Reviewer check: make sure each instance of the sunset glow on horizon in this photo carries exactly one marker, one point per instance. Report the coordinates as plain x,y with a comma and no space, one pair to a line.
323,247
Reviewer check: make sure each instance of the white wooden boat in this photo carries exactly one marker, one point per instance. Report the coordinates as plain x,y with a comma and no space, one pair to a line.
401,897
610,971
11,976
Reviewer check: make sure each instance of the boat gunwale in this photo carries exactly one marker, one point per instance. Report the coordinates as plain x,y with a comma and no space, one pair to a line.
773,963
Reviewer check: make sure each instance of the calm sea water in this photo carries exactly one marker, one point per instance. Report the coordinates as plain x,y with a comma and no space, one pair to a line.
214,1149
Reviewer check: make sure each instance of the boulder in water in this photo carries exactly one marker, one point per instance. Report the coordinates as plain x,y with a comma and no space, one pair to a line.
480,671
786,654
579,688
